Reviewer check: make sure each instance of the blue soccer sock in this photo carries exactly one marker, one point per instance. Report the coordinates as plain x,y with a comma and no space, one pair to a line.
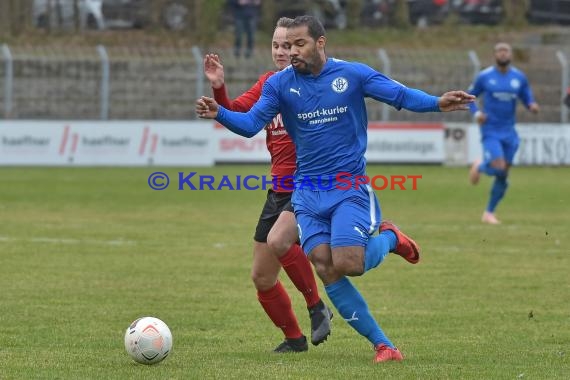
486,168
353,309
378,248
497,192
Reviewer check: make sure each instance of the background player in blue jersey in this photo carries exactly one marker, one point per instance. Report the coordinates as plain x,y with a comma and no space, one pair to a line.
501,86
321,101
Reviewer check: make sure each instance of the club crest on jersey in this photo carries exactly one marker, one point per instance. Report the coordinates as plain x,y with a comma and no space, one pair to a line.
339,85
515,83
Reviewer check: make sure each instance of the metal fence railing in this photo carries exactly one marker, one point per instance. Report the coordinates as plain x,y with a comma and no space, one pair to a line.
163,83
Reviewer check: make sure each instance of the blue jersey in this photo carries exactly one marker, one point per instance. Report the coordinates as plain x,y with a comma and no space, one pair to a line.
325,115
501,92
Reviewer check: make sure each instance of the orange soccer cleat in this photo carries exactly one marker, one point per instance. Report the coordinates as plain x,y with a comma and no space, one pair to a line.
385,354
406,247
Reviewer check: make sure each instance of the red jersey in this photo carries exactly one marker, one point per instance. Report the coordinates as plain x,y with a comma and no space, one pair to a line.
279,144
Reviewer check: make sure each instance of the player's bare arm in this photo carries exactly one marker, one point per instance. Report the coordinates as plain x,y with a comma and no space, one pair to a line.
206,108
534,107
214,70
455,101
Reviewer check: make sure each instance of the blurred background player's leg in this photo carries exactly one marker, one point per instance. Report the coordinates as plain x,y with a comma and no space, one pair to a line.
495,165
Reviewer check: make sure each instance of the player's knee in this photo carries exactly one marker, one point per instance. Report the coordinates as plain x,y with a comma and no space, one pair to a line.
500,164
321,268
326,271
262,281
277,243
349,261
349,265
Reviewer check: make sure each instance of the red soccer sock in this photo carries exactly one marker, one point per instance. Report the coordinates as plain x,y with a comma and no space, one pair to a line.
299,270
277,305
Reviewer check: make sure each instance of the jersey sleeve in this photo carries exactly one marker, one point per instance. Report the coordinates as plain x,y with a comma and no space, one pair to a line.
384,89
245,101
379,87
250,123
525,92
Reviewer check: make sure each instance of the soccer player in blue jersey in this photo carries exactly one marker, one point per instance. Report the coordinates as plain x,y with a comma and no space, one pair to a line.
501,86
322,104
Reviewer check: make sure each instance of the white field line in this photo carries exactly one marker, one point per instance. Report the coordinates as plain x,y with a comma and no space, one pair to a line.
476,226
67,241
438,249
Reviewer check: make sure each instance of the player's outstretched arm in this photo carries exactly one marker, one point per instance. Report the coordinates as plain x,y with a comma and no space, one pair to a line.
455,101
244,124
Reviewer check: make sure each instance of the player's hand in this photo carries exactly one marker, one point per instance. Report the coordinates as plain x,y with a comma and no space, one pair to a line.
206,108
480,117
214,70
533,107
455,101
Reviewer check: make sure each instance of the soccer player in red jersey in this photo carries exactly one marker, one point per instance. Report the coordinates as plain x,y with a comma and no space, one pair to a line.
275,239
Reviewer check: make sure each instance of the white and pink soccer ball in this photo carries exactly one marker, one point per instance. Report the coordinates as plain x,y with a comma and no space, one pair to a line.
148,340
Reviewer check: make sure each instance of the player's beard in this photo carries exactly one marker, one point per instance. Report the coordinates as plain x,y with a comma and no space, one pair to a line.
309,65
503,62
303,70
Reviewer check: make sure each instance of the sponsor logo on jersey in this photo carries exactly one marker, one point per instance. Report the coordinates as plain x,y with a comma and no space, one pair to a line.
323,115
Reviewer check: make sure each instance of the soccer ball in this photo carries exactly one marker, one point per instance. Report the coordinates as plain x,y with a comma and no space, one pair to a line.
148,340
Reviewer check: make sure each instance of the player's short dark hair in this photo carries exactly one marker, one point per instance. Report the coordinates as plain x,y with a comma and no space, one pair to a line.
314,26
283,22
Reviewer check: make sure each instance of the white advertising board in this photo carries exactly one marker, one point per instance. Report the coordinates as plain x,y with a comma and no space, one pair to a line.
235,148
179,143
117,143
540,144
94,144
203,143
405,143
34,143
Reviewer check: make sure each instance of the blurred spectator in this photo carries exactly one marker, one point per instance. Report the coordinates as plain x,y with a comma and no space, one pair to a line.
246,13
567,98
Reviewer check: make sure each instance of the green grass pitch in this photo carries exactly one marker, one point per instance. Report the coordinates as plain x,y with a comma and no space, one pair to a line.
84,251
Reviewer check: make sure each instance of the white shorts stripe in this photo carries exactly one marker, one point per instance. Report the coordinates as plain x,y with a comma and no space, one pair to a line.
372,203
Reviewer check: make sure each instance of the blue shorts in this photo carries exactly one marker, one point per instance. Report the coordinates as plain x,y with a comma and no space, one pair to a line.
500,147
340,218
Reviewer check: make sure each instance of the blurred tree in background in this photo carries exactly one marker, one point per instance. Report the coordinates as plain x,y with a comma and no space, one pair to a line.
207,17
515,12
353,8
4,18
201,23
76,17
400,18
267,22
15,16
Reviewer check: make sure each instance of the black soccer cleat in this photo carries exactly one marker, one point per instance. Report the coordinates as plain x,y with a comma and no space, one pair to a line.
321,316
292,345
